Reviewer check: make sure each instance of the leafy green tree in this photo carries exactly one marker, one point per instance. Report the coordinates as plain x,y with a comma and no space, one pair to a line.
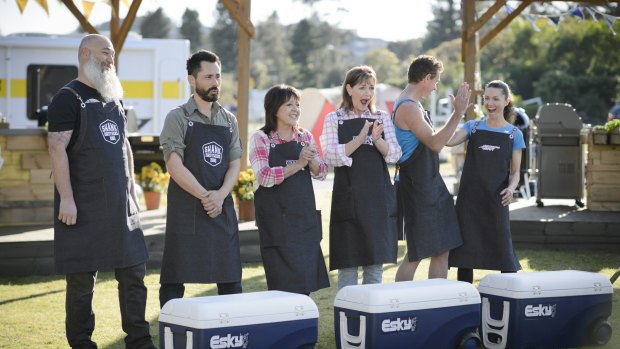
577,63
191,29
445,26
223,37
155,25
270,50
385,63
405,49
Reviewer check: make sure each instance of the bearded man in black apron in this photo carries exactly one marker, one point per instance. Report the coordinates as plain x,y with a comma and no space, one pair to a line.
98,227
284,160
491,174
430,222
200,140
358,141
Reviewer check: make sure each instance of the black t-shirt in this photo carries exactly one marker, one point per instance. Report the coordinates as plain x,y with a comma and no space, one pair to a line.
64,110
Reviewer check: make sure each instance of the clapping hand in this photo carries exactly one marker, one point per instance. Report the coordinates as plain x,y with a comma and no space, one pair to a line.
461,101
377,130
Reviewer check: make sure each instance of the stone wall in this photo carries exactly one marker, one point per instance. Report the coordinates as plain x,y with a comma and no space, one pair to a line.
603,176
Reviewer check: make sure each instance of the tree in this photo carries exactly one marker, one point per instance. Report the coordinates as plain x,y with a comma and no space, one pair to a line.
224,37
270,49
155,25
406,49
191,29
385,63
445,26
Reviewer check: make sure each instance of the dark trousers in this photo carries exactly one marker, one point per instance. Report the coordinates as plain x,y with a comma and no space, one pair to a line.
467,274
80,318
171,291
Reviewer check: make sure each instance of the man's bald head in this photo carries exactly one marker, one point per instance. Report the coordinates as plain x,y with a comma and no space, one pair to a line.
94,42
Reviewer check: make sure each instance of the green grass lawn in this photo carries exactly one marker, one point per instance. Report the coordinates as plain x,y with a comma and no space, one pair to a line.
32,308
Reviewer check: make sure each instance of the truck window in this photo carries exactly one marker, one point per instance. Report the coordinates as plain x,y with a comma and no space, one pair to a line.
43,81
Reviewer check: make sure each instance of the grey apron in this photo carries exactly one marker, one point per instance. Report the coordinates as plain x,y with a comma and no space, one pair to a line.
198,248
484,221
362,227
107,234
430,221
289,227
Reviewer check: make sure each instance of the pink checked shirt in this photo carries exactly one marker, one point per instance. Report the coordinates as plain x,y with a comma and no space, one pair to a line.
259,157
334,151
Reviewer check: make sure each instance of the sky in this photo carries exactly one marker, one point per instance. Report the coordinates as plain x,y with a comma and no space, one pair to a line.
390,20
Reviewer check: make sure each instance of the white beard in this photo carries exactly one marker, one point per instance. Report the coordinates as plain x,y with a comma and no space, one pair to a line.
104,80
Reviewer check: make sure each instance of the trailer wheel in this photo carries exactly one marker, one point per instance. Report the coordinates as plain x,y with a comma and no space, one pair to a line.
539,203
469,340
600,333
579,203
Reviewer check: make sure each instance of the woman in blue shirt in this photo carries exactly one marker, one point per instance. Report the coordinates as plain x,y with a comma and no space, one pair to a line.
490,177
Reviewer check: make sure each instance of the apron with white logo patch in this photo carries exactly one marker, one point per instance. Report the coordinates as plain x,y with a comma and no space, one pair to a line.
198,248
362,228
107,233
290,228
484,221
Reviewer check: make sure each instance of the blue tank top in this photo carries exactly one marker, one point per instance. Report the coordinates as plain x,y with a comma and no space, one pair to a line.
406,139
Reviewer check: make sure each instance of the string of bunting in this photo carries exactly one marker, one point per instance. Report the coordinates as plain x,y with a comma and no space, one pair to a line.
578,12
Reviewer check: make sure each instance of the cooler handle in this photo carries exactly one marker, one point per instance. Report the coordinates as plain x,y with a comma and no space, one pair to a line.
189,344
346,340
487,322
168,339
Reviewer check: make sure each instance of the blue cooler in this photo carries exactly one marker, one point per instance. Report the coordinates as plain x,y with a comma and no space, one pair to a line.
261,320
433,313
554,309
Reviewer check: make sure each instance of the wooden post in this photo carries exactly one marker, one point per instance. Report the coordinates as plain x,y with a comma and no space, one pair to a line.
469,52
243,81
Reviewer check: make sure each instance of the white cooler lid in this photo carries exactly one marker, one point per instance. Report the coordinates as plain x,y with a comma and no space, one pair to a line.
407,295
238,309
562,283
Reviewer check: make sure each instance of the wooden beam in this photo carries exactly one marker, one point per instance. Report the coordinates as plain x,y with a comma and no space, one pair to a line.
80,17
504,23
243,82
126,26
235,8
114,19
485,18
469,52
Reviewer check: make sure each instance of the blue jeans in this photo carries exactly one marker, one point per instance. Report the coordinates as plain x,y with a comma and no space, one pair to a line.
80,318
372,275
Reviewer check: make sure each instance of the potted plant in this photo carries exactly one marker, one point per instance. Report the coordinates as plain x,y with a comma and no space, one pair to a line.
244,194
153,181
599,134
613,128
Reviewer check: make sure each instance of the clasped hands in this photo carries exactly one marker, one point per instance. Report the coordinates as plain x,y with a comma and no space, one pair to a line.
212,203
377,131
307,155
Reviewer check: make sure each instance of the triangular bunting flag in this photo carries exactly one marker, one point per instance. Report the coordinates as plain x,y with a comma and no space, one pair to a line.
43,3
610,20
22,5
532,19
577,12
88,8
555,20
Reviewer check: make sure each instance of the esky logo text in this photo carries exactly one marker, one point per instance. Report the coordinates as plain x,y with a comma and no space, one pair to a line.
229,341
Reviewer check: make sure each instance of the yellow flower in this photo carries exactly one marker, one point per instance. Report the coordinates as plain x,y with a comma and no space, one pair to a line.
153,178
244,188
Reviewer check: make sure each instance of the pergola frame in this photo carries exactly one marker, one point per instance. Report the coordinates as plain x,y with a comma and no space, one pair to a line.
471,45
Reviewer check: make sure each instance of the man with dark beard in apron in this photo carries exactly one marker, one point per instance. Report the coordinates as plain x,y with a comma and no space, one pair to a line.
200,140
284,158
490,176
98,227
362,228
431,225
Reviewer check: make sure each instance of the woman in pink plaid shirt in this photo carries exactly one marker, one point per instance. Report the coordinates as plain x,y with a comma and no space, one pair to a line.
284,159
359,141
